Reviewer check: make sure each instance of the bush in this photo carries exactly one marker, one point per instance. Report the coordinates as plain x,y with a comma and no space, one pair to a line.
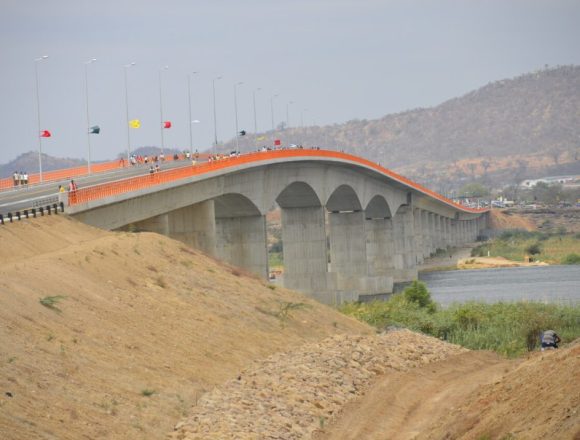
571,259
534,249
507,328
417,292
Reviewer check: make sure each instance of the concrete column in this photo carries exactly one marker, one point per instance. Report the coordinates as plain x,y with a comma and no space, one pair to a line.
348,252
418,218
305,252
398,243
404,260
379,256
447,231
455,232
195,226
158,224
241,241
426,234
410,259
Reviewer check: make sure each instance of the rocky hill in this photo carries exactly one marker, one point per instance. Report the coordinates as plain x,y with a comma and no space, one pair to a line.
28,162
528,123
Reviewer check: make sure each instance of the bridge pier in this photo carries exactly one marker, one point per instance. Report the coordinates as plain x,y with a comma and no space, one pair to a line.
241,241
348,260
195,226
379,256
419,238
305,252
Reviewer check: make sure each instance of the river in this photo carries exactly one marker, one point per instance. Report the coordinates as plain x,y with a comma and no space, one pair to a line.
548,284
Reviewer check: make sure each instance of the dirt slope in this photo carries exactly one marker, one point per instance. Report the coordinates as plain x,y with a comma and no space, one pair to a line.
146,326
538,400
506,219
401,405
471,396
293,395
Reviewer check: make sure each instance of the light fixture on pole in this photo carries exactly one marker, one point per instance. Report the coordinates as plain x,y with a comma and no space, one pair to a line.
190,121
36,61
272,109
236,113
214,113
255,116
126,67
91,61
161,122
288,104
195,121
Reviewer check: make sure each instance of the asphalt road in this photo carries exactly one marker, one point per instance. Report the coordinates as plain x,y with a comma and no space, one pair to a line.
20,198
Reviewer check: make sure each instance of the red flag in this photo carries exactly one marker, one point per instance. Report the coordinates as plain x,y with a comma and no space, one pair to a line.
277,142
167,124
45,134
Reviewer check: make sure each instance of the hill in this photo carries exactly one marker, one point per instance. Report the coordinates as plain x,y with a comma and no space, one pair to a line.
28,162
529,121
135,328
121,335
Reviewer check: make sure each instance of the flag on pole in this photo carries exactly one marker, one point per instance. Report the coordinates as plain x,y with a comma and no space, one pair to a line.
242,133
135,123
45,134
277,142
95,129
167,124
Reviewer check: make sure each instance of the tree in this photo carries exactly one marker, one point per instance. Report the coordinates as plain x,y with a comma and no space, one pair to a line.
474,190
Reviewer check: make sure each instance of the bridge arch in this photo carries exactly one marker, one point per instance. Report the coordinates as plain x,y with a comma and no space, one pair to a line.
378,208
344,199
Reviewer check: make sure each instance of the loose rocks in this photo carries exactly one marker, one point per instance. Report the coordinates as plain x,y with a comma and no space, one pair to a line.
291,395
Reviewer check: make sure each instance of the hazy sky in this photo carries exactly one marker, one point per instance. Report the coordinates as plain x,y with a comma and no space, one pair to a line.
335,59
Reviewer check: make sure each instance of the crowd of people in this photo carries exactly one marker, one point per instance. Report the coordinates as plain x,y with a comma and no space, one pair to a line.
20,178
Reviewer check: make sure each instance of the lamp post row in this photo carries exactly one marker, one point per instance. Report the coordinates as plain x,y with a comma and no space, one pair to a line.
191,122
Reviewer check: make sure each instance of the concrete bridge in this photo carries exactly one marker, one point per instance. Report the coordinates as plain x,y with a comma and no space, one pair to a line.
349,227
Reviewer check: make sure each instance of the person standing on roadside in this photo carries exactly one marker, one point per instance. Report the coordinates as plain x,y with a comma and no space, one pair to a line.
16,178
550,339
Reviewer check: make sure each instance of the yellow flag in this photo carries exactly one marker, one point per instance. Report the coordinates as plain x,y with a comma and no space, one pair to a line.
135,123
261,138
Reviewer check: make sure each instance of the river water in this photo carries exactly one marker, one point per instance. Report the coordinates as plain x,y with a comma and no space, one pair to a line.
548,284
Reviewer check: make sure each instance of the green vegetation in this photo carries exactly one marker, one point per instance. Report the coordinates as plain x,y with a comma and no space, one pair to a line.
515,245
51,302
507,328
571,259
275,259
147,392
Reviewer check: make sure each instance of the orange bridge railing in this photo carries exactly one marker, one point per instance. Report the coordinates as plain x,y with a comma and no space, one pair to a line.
87,194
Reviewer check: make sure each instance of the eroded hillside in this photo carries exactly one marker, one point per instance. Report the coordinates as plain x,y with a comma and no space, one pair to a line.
141,327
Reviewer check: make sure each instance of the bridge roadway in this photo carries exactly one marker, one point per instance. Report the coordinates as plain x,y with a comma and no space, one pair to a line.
18,198
350,228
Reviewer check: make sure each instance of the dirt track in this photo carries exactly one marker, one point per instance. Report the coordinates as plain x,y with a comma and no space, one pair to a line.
401,405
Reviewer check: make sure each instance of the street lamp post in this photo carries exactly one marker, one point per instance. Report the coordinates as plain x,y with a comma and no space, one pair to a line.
91,61
195,121
161,109
255,116
236,113
288,104
214,113
36,61
127,66
272,109
190,121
